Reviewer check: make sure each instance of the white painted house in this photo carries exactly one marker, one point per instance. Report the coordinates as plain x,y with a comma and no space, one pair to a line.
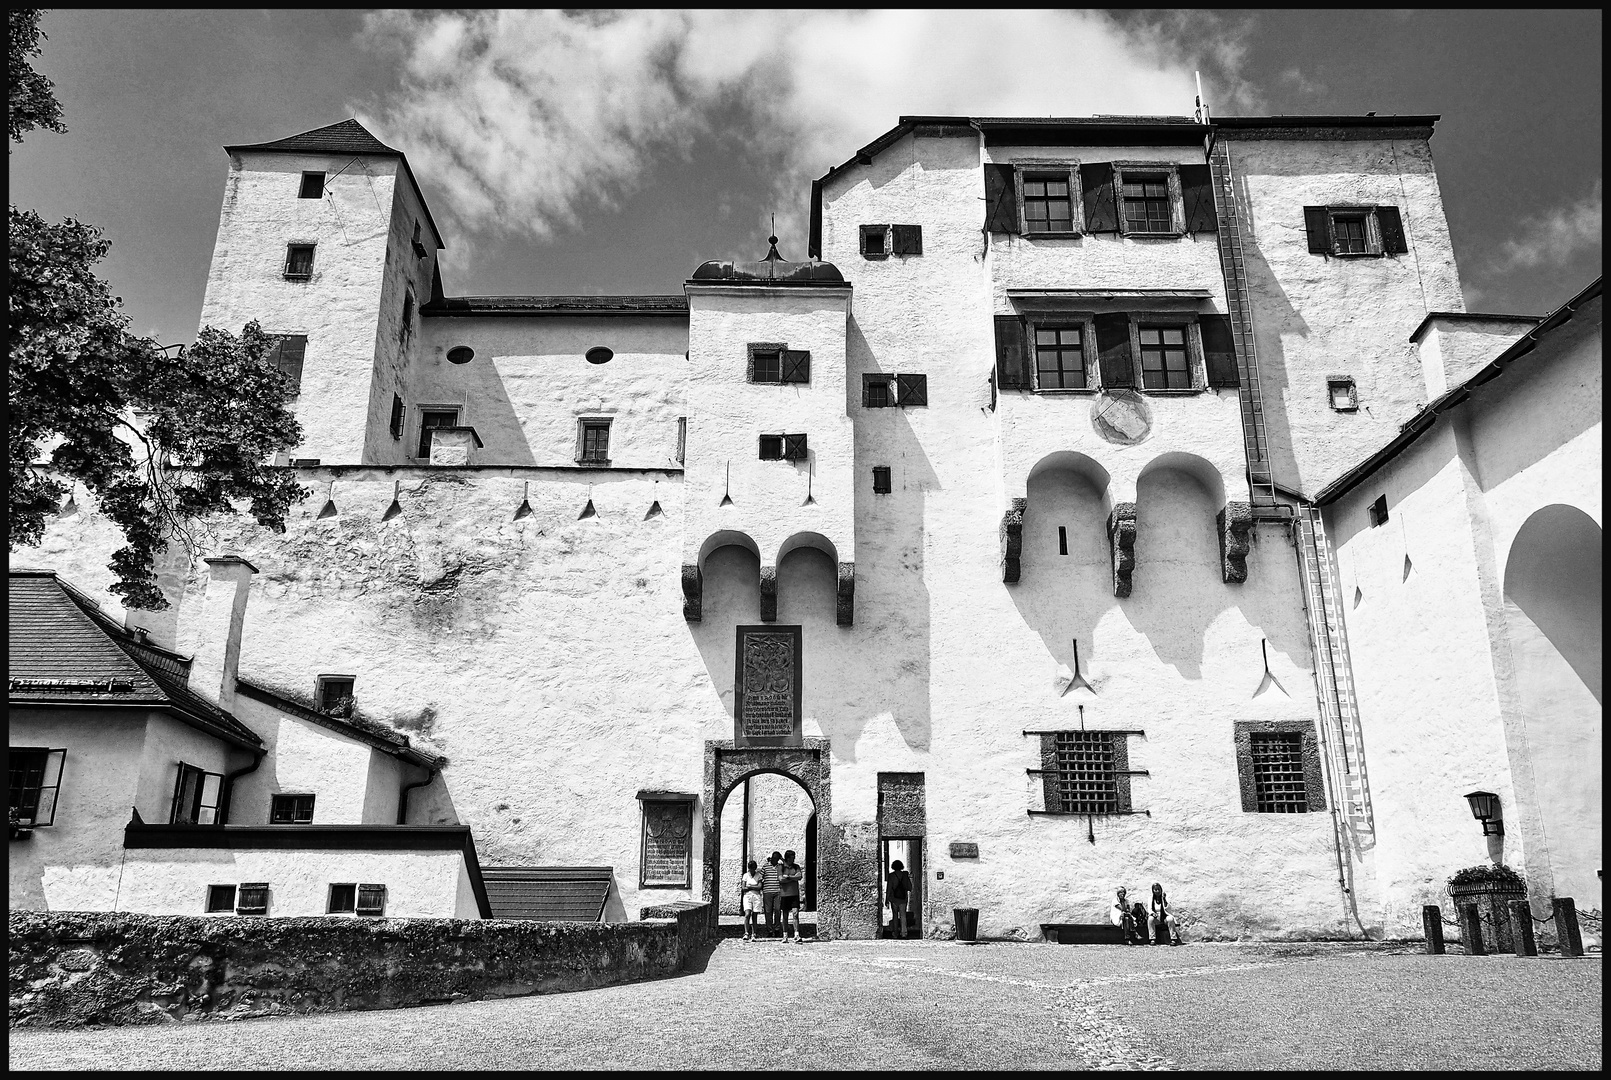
1023,527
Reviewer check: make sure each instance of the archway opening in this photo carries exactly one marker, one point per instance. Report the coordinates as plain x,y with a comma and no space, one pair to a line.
765,812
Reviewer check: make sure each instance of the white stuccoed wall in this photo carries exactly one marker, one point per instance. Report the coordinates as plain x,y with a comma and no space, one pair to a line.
1317,315
1453,347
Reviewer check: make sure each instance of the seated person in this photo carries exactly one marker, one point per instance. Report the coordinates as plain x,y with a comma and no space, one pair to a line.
1122,914
1161,920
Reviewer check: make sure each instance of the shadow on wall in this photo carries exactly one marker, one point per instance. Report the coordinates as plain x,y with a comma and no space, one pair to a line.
1061,596
1553,579
493,415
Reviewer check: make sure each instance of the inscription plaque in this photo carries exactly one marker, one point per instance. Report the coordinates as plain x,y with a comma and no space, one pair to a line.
666,830
964,850
766,700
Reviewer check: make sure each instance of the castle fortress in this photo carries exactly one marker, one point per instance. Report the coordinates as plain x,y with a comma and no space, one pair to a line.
1103,501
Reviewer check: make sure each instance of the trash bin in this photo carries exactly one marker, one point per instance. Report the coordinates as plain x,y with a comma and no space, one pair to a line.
967,920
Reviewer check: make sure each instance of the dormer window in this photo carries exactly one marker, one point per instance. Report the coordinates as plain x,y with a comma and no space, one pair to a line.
333,695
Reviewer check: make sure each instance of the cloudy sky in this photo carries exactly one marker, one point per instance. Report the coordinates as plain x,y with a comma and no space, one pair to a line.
598,153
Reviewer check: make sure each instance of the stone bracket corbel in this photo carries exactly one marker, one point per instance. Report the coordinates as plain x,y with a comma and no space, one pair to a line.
1012,539
769,594
1235,529
693,587
847,594
1122,543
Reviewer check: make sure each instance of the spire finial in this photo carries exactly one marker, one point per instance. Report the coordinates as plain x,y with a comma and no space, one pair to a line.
772,253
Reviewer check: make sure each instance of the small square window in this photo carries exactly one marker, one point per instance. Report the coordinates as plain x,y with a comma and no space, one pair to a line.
913,390
312,186
372,900
795,366
1165,361
877,391
766,363
1146,203
333,694
881,485
875,241
434,418
1342,394
290,810
220,898
771,447
794,448
1378,512
253,898
343,899
298,262
595,442
1060,358
1278,780
1048,203
906,239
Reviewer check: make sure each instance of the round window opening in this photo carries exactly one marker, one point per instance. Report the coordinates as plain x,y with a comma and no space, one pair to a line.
461,354
599,355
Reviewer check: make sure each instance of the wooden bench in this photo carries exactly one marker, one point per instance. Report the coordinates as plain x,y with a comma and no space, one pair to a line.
1083,933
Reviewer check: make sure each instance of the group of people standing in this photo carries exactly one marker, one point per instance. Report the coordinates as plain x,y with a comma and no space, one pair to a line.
773,893
1156,923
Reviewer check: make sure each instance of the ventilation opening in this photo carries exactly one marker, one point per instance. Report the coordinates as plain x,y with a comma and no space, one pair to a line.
1378,512
599,355
1062,539
460,354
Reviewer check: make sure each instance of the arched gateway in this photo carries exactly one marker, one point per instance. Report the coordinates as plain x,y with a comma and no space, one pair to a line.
846,877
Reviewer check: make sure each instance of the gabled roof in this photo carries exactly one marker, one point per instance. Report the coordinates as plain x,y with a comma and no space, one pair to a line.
361,728
64,650
346,137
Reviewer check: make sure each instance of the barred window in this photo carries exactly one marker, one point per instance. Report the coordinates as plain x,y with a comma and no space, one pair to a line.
1278,779
1087,781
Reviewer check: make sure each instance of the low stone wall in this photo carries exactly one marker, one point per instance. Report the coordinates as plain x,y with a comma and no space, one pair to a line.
77,967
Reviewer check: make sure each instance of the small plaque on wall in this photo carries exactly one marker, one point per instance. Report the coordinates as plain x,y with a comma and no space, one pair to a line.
964,850
767,678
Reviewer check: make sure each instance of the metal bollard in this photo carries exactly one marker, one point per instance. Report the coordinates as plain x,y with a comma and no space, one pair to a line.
1521,928
1432,924
1471,929
1566,928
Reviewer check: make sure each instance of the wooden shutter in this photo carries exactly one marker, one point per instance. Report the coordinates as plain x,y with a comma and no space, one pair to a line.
1101,208
908,239
1197,191
914,389
1392,227
397,417
1012,359
1113,345
1219,350
1317,221
794,447
796,366
371,900
1001,199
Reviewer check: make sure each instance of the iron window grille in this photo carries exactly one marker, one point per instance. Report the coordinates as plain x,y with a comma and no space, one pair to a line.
1165,358
291,810
253,898
1278,773
433,418
333,694
595,442
35,775
1087,780
371,900
881,482
1060,358
312,186
1147,203
343,899
1048,202
195,796
298,262
220,898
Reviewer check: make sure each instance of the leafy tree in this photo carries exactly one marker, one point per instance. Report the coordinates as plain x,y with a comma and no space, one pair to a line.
32,103
161,440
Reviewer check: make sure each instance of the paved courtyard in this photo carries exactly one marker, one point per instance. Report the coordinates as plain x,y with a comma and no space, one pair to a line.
867,1005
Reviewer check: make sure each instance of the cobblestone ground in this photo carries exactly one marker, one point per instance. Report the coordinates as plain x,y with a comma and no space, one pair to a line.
943,1005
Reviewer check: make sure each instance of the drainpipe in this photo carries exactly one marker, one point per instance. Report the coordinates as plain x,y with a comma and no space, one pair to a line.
402,796
229,784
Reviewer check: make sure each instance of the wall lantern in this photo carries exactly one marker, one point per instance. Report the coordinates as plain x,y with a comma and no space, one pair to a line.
1485,808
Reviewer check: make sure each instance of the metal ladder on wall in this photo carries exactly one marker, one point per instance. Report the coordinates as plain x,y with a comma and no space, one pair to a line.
1327,639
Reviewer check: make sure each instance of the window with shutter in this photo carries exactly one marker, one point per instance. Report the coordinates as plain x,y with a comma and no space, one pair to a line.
398,413
1060,358
1048,202
343,898
1219,351
1165,359
1392,230
913,390
1101,209
1355,230
771,447
298,262
220,898
1348,234
907,239
1146,203
35,774
1317,223
796,366
881,483
1001,199
877,391
372,900
430,419
1197,192
1378,512
253,898
875,241
1113,350
1012,360
766,361
794,447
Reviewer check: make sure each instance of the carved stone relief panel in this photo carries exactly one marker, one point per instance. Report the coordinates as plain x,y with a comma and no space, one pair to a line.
767,685
900,804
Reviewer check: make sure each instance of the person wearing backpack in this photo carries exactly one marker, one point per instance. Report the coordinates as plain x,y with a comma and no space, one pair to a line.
899,890
792,873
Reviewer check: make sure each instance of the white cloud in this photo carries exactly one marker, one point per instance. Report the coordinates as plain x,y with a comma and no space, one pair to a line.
527,120
1553,237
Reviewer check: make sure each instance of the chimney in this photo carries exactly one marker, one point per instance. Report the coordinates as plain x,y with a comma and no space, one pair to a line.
214,637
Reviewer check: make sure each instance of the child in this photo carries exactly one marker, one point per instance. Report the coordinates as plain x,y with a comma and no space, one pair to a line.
750,900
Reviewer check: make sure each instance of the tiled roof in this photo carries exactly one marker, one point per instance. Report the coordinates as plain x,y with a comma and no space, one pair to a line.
358,727
550,893
65,650
676,304
347,137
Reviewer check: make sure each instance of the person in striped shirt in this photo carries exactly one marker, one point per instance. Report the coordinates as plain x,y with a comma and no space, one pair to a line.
772,893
